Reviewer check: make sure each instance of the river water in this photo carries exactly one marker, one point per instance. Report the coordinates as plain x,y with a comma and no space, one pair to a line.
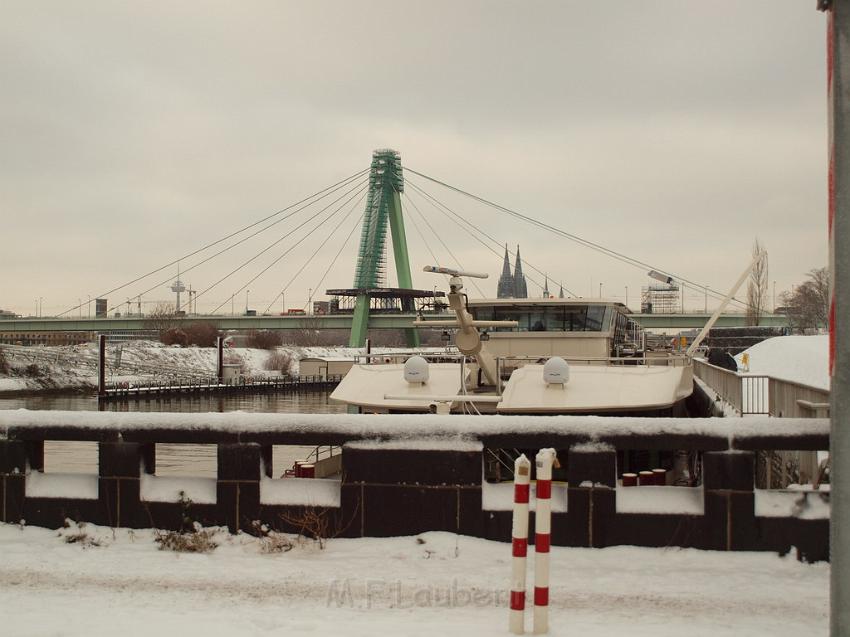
171,459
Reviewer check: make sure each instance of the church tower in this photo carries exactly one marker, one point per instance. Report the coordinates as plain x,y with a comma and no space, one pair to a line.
520,286
505,288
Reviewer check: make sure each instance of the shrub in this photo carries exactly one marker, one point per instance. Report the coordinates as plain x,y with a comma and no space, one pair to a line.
264,339
175,336
201,333
77,536
271,541
4,364
32,370
279,362
199,540
192,537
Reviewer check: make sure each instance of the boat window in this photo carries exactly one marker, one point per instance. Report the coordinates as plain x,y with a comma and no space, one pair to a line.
595,318
537,319
482,313
512,314
575,318
553,318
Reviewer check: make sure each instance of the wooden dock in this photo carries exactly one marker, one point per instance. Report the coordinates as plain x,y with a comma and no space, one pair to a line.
194,386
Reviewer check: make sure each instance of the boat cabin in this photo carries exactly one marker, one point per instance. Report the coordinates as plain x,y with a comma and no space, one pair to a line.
577,329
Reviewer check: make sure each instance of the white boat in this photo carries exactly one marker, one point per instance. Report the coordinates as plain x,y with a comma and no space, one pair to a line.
534,356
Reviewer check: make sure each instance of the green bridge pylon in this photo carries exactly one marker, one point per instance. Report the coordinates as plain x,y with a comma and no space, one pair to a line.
383,205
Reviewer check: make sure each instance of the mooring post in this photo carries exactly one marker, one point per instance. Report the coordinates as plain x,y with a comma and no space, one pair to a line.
519,544
219,366
101,366
542,539
838,84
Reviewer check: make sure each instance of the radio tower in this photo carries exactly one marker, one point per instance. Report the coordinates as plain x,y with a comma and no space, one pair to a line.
178,287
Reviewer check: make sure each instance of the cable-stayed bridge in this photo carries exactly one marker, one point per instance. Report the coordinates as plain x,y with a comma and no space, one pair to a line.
329,218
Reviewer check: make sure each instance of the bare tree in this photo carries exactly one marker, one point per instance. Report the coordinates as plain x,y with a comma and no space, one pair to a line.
308,333
162,319
807,305
264,339
757,285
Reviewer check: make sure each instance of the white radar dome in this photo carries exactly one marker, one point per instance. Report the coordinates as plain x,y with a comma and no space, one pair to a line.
556,371
416,370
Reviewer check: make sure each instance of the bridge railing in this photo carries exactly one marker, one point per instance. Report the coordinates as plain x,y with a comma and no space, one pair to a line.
407,474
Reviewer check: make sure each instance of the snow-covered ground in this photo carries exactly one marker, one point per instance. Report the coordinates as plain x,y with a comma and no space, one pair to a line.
432,584
60,367
802,359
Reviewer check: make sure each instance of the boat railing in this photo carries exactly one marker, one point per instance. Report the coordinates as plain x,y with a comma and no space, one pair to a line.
400,357
323,452
673,360
751,394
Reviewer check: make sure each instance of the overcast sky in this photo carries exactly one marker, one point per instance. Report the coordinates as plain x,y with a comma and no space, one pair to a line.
674,132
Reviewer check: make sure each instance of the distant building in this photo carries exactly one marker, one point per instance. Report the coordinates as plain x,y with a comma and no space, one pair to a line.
6,314
512,286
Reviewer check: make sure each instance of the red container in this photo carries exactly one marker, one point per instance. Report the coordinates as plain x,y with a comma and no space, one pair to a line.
307,471
646,478
660,476
296,467
630,479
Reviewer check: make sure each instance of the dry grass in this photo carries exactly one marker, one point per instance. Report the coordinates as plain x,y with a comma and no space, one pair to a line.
198,541
271,541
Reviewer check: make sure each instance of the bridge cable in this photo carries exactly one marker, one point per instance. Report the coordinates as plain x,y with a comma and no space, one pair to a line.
589,244
223,250
243,240
341,248
321,194
424,240
286,252
436,203
490,248
274,243
440,239
316,251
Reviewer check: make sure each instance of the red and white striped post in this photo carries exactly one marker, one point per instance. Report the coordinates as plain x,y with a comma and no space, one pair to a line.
519,542
542,539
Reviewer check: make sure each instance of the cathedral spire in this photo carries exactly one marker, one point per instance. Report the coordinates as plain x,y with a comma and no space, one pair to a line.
520,286
505,287
506,265
561,293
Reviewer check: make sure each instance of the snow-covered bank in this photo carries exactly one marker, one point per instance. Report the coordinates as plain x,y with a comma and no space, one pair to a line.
801,359
437,584
72,367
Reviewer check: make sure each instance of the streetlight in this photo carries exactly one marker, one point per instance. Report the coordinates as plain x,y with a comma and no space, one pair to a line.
309,300
40,299
600,289
80,305
627,296
88,309
246,302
